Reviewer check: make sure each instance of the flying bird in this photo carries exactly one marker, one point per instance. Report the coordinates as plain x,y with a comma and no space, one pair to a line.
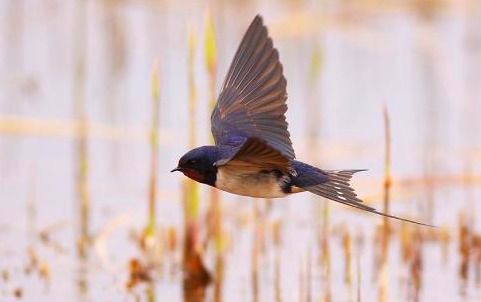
253,154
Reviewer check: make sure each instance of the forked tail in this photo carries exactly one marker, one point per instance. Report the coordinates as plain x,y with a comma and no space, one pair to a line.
335,185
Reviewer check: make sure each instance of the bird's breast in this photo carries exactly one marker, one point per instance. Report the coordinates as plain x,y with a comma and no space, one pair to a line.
262,184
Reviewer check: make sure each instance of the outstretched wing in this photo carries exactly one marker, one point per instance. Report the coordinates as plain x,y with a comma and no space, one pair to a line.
252,102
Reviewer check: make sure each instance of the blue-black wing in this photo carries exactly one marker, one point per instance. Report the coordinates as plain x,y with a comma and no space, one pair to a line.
253,156
252,103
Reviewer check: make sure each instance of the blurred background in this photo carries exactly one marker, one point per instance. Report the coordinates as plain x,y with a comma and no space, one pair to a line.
99,99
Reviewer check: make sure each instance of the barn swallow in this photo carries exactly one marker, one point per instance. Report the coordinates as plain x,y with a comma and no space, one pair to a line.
253,154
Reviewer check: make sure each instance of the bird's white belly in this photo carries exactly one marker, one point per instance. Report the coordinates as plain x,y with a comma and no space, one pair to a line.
261,185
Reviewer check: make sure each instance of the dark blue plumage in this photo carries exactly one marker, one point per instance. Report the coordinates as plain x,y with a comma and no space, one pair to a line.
253,155
198,164
307,175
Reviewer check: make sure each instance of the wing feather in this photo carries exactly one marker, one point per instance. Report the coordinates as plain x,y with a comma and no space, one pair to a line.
252,102
256,155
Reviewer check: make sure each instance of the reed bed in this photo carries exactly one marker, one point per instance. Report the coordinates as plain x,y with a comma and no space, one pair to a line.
240,249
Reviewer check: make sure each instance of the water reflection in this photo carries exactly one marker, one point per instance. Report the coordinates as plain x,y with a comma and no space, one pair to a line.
82,279
196,278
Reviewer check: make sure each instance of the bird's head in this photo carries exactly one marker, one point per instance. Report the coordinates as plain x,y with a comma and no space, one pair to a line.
198,164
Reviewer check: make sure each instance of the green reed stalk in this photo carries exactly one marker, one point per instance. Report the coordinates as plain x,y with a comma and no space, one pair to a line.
210,52
154,151
191,190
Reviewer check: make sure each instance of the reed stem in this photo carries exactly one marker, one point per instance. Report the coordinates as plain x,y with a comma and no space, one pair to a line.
383,277
154,150
81,144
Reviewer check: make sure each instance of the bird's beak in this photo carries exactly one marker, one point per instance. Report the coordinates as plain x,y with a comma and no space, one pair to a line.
176,169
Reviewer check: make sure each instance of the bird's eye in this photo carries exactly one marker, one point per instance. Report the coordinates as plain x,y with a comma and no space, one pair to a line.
192,161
